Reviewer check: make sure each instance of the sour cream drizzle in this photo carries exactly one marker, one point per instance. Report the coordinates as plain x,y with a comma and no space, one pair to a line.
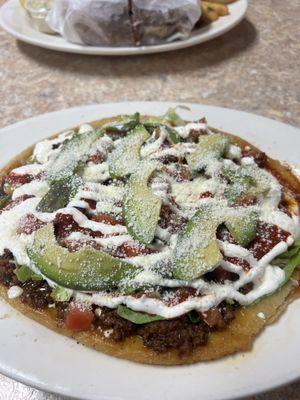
265,277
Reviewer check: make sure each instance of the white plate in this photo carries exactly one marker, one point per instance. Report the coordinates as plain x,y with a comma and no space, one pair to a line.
41,358
14,21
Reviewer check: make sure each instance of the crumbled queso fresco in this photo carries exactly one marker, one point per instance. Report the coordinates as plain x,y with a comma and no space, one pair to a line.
167,201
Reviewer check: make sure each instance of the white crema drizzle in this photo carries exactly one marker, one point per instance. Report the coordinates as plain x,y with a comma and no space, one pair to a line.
265,277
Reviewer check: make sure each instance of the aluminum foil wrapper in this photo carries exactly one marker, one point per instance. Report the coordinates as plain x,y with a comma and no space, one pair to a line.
123,22
157,21
92,22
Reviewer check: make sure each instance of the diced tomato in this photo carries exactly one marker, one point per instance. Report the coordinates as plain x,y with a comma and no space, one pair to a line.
65,224
239,261
97,158
106,219
18,179
246,201
15,179
79,318
130,250
178,296
205,195
267,237
29,224
92,203
16,202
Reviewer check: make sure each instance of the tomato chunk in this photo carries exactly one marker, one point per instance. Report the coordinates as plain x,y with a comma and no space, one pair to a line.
79,318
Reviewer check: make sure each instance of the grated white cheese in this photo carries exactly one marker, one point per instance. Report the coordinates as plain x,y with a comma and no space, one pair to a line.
109,198
261,315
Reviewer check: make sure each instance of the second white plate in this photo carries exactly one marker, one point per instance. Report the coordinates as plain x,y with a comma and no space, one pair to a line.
15,22
46,360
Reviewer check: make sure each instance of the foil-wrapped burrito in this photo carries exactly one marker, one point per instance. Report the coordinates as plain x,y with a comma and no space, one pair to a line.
123,22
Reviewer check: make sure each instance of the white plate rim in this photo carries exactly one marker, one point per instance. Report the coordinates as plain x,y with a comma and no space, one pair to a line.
82,115
217,28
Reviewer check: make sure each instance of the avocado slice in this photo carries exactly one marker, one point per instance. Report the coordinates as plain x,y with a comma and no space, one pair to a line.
74,151
87,269
210,147
196,251
241,184
126,124
59,194
242,226
125,158
141,206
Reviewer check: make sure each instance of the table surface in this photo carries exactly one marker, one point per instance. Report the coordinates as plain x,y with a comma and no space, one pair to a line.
255,68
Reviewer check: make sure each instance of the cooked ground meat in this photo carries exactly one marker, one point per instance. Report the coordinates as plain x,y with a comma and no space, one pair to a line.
61,308
246,288
36,294
109,319
168,159
220,275
259,157
7,275
177,333
170,219
161,336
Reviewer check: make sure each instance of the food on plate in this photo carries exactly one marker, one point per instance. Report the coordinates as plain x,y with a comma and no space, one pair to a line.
212,11
37,11
150,238
122,22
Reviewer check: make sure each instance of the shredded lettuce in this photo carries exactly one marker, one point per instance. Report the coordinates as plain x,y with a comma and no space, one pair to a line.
61,294
173,118
137,317
289,261
4,199
24,274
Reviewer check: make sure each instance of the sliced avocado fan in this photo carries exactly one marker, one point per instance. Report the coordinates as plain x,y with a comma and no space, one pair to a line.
209,148
126,157
87,269
196,251
141,206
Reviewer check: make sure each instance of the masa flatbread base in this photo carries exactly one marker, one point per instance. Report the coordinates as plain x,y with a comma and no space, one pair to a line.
238,336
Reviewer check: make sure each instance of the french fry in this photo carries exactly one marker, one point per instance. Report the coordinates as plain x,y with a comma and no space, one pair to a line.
208,14
220,9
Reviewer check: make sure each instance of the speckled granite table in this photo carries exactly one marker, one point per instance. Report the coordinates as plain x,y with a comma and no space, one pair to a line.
255,67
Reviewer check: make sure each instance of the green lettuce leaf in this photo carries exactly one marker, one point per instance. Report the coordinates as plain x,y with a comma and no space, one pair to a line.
137,317
289,261
24,274
4,199
61,294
